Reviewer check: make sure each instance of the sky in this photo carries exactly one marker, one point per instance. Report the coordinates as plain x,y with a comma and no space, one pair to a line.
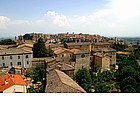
104,17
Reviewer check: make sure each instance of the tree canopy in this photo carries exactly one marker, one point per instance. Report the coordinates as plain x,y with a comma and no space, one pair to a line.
83,78
39,49
7,42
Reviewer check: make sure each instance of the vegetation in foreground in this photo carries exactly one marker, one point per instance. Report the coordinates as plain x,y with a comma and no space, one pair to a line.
38,76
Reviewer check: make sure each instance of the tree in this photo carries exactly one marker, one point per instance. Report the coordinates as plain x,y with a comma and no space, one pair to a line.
102,88
128,85
29,73
39,74
27,37
83,78
7,42
129,89
39,49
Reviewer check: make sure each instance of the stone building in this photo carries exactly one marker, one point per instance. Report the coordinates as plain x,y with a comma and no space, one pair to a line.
16,57
101,61
81,59
41,62
107,51
63,55
66,68
79,45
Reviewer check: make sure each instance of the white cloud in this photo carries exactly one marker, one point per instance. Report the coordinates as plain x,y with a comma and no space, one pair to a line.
3,21
58,19
117,18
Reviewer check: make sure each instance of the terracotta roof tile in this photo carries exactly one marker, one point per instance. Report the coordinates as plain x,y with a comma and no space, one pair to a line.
10,79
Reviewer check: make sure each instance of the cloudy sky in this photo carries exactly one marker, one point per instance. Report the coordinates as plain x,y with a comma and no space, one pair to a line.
104,17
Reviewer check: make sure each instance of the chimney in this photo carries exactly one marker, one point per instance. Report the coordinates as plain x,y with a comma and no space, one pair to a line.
5,82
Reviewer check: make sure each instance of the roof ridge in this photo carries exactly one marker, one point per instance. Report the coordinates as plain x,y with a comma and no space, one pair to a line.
70,79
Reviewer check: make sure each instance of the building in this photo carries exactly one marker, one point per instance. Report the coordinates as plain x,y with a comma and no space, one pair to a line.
59,82
11,83
16,57
81,59
63,55
62,66
101,61
40,62
107,51
26,47
79,45
16,70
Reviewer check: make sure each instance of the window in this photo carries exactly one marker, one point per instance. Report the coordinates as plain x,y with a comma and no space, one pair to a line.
11,63
70,55
10,57
62,55
18,57
2,57
3,64
19,63
83,55
27,62
27,56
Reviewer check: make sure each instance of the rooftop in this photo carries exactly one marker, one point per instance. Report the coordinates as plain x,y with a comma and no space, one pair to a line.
11,51
58,81
9,80
79,44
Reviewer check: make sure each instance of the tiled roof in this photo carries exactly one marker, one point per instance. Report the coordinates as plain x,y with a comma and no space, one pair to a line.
125,53
79,44
27,45
63,66
58,81
61,50
79,51
13,51
105,49
100,55
48,59
11,80
16,67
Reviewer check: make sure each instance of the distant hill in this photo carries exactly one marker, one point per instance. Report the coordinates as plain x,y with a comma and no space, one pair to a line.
3,38
131,39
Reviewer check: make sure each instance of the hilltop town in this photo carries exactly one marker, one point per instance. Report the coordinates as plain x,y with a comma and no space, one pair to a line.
67,54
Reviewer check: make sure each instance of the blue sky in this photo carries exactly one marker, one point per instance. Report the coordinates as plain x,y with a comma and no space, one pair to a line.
104,17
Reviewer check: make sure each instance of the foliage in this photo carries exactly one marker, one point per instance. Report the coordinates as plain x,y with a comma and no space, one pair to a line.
7,42
39,74
119,47
128,74
27,37
83,78
39,49
29,73
103,81
32,90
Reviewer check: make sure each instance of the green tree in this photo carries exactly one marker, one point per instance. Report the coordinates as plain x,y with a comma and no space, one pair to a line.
128,84
102,88
29,73
39,74
83,78
7,42
39,49
129,89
